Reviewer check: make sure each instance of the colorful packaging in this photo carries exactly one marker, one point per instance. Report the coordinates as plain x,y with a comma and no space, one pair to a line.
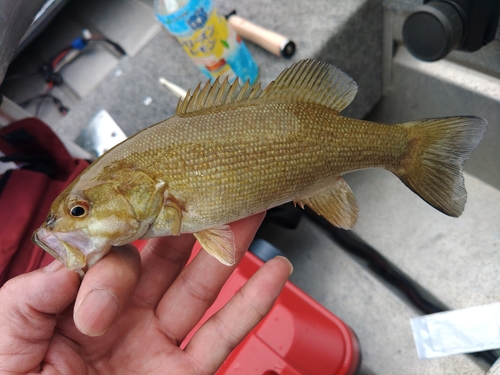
209,41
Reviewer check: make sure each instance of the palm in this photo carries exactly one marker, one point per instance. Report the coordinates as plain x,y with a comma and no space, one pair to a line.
118,350
155,302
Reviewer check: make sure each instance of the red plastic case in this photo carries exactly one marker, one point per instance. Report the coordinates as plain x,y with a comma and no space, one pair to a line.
297,337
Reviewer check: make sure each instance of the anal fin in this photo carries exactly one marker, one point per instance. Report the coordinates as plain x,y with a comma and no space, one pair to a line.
336,204
218,242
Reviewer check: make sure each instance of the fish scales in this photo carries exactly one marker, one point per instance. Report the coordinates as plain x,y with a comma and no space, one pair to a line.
258,156
233,151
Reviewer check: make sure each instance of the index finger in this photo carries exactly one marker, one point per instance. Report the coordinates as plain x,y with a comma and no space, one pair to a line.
28,311
105,290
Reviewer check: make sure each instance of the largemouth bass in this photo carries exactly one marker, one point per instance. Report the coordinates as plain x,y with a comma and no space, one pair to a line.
234,150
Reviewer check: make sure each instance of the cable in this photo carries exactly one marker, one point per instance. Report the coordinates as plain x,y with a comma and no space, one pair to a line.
57,102
20,76
66,55
50,70
54,61
382,267
377,262
115,45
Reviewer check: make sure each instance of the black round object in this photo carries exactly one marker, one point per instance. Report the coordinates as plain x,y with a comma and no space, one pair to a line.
287,49
433,30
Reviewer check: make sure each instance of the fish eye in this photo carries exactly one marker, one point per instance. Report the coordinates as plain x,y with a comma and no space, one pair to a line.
78,207
78,211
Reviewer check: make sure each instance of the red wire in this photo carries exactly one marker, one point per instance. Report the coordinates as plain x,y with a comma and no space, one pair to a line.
60,56
56,60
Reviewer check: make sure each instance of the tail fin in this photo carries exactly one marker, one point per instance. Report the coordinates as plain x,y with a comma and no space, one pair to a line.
438,149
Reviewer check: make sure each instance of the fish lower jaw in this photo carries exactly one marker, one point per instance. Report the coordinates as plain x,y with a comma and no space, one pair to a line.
65,247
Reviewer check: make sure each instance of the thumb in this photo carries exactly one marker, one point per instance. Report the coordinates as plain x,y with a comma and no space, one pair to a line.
28,311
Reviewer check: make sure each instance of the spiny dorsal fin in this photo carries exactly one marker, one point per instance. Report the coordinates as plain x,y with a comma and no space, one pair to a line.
216,94
307,81
312,81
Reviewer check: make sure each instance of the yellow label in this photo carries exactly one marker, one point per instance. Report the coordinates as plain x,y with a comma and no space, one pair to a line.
209,41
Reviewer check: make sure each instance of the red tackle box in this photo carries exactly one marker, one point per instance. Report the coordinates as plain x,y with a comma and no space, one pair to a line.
297,337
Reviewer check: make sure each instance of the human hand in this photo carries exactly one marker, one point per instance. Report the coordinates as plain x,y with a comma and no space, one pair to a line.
132,311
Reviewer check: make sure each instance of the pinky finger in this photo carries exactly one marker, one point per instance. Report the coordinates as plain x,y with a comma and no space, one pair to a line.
215,340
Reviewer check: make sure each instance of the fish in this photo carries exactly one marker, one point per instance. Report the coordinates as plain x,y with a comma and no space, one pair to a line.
232,150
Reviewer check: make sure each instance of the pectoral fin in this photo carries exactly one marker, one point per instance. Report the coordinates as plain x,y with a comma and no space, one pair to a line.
173,210
168,222
336,204
218,242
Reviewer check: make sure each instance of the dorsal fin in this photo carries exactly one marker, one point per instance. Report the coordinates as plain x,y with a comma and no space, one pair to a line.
312,81
307,81
216,94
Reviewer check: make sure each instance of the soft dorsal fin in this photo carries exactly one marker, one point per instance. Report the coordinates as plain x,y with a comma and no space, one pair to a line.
307,81
312,81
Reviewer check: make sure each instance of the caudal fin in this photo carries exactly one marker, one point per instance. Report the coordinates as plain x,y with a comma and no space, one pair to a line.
433,167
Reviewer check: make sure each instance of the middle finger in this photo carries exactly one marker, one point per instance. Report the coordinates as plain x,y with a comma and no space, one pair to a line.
162,259
198,285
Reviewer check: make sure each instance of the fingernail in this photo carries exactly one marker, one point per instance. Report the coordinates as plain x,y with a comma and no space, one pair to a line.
291,267
288,261
54,266
96,313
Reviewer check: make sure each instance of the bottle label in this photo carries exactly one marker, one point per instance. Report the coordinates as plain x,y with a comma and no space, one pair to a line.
207,39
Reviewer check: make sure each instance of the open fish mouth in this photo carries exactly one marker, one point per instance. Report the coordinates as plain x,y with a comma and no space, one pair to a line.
65,246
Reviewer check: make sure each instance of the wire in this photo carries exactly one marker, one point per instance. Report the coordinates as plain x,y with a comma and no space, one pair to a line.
377,262
54,61
115,45
20,76
69,53
47,95
381,266
50,70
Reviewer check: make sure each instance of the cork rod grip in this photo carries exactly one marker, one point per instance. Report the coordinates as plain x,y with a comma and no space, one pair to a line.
269,40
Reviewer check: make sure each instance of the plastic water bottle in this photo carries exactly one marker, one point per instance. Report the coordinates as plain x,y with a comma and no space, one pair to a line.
207,39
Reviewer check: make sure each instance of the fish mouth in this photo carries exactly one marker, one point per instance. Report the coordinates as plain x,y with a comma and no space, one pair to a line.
65,246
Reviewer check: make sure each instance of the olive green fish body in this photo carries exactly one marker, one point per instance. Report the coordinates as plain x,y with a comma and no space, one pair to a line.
254,158
233,151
